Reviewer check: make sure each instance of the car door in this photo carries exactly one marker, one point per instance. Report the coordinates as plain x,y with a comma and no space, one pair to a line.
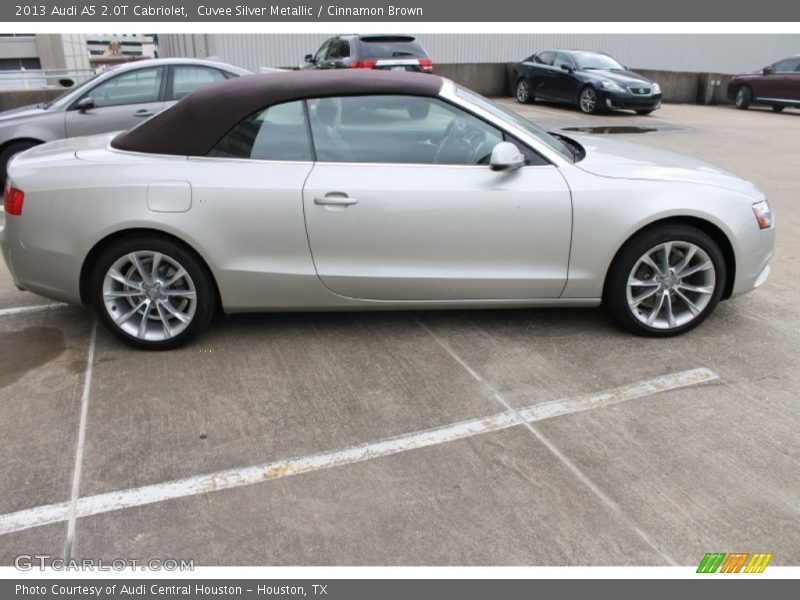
402,205
321,55
565,83
540,74
772,84
338,52
789,84
248,208
119,103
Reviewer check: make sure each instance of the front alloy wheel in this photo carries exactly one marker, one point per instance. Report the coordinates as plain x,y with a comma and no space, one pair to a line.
670,285
152,293
666,280
588,101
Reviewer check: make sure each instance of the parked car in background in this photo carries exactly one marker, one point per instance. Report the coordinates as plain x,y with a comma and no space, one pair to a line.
319,190
387,52
592,81
777,85
118,98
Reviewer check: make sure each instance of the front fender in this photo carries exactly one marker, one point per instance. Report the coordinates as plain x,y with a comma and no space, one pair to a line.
608,212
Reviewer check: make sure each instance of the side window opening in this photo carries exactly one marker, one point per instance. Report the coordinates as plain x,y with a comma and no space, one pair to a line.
136,87
399,129
275,133
186,79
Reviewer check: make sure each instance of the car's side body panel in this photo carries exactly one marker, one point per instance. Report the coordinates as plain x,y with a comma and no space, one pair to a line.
439,232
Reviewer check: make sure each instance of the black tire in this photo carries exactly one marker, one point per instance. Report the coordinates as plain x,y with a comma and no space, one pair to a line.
584,106
8,153
615,292
744,98
206,296
523,92
778,107
644,112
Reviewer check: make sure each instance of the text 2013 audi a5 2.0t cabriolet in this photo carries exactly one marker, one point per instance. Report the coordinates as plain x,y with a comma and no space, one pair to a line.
368,190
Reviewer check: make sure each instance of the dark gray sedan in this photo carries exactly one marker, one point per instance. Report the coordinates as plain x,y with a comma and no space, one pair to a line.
116,99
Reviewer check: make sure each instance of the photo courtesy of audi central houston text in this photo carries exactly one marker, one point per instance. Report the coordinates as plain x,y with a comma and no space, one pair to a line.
366,298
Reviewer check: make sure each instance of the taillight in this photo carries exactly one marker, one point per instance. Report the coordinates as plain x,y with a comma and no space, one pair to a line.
426,64
12,200
363,64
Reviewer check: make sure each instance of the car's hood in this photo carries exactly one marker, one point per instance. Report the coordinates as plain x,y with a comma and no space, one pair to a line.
620,77
611,158
22,112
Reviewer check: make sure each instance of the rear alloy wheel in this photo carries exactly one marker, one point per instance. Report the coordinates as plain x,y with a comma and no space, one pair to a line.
588,101
666,281
744,97
152,293
524,95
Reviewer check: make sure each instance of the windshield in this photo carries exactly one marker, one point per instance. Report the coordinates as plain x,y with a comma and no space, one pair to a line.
590,60
516,119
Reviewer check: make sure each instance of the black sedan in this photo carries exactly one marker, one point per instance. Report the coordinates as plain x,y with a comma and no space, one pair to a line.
590,80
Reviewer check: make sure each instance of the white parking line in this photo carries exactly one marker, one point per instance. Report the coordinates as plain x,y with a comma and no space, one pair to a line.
76,476
523,417
19,310
232,478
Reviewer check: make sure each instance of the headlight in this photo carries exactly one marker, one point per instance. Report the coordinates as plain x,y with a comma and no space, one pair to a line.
656,89
763,214
612,86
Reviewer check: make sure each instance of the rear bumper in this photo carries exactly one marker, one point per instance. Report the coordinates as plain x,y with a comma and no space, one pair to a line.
42,272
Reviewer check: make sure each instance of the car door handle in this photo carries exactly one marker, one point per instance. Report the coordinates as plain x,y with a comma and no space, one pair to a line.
335,201
143,113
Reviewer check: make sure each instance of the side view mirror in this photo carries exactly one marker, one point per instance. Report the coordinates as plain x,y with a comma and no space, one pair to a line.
766,70
567,68
85,104
309,58
506,157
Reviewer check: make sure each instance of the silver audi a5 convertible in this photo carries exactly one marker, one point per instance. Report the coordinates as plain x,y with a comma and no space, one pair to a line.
332,190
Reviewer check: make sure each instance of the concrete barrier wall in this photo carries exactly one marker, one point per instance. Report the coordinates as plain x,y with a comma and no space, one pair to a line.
16,98
495,79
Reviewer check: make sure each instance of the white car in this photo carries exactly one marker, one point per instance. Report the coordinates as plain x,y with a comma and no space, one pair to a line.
353,190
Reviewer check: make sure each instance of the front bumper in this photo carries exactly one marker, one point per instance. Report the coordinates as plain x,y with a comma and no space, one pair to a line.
629,101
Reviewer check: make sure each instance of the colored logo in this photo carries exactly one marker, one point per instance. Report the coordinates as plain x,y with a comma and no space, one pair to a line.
735,562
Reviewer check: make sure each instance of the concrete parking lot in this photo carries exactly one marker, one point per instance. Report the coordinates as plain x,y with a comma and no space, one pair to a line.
295,438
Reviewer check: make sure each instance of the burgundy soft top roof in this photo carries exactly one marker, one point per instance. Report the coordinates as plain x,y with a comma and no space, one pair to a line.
196,123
